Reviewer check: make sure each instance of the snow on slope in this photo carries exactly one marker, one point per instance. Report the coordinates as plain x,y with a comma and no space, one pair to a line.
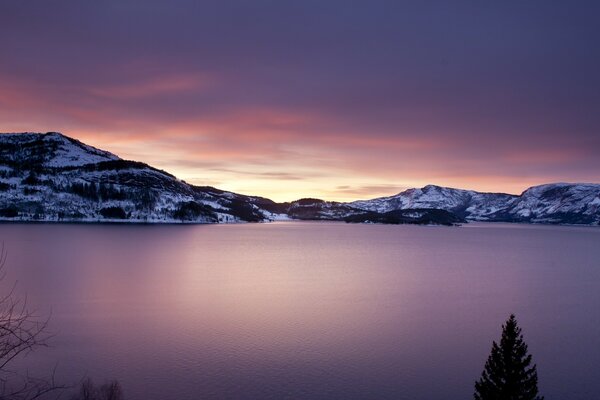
569,203
51,150
467,203
51,177
74,153
558,202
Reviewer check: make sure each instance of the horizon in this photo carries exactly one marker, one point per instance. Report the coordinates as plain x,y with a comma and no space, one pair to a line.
315,99
313,197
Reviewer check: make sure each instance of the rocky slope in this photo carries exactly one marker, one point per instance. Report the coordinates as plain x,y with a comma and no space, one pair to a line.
51,177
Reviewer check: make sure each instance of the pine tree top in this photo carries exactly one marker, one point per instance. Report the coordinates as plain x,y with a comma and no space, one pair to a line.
508,374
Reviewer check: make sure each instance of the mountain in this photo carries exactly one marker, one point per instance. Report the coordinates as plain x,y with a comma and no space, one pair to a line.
51,177
464,203
556,203
315,209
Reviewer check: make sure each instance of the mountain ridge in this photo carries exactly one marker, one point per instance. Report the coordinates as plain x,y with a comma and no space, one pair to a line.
52,177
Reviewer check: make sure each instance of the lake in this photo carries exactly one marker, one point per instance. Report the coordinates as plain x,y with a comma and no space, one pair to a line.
308,310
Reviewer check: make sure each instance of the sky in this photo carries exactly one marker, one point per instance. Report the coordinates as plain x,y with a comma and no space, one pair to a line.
339,100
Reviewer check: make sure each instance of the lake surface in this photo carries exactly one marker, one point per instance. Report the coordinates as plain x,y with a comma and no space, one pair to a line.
301,310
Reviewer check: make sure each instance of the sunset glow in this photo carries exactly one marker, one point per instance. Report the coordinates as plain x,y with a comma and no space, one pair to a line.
288,100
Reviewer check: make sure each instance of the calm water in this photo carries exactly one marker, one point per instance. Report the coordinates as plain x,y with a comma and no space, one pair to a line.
309,310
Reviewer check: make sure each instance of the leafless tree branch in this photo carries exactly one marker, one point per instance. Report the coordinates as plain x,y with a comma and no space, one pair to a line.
21,331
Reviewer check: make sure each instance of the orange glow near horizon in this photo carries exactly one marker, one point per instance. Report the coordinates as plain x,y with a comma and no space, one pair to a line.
305,172
263,154
295,168
282,153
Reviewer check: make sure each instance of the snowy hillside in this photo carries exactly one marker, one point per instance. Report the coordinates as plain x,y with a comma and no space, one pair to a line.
465,203
49,150
556,203
315,209
51,177
564,203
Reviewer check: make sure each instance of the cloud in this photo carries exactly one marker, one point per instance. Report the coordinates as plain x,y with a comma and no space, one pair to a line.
368,97
158,86
286,176
369,191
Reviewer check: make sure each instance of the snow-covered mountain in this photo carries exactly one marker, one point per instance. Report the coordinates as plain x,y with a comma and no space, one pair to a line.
465,203
51,177
52,150
558,203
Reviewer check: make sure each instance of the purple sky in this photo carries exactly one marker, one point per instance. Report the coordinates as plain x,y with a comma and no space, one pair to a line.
333,99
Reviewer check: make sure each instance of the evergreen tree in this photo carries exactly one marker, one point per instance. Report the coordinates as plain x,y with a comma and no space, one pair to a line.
507,374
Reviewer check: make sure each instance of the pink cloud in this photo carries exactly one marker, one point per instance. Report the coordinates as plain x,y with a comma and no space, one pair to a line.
266,149
154,87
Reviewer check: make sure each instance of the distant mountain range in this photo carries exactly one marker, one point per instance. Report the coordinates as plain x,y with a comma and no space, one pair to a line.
51,177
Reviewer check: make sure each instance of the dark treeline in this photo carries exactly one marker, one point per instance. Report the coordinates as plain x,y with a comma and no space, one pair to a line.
97,191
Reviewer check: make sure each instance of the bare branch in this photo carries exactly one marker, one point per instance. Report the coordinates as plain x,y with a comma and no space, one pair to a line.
21,331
